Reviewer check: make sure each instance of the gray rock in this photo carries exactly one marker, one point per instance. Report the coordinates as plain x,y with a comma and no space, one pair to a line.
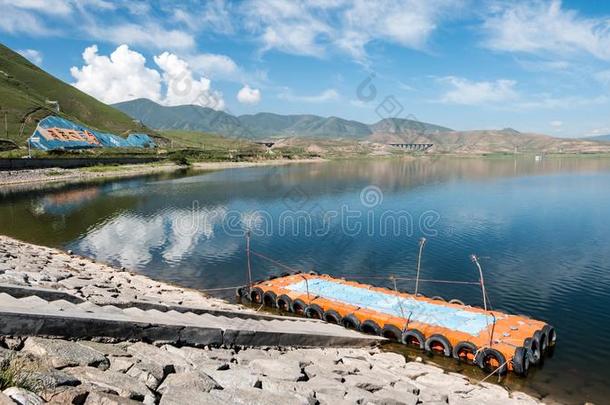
63,353
116,350
388,360
162,358
4,400
67,395
414,369
246,356
121,364
22,396
53,378
394,396
325,386
253,396
279,369
366,382
101,398
114,382
355,365
153,364
179,396
234,377
193,381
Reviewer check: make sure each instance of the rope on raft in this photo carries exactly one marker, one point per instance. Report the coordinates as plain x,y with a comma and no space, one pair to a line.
390,277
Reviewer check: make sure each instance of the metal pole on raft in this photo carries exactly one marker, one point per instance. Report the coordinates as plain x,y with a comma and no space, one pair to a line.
422,242
248,257
475,260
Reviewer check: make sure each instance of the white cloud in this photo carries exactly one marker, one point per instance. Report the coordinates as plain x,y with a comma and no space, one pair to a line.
214,65
326,95
149,35
32,55
50,7
556,124
183,87
464,91
124,76
121,76
536,26
312,27
248,95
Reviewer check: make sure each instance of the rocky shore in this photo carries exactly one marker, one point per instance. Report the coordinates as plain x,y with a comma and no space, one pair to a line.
13,179
38,370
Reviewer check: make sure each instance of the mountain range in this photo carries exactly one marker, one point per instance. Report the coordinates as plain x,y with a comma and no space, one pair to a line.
311,131
264,125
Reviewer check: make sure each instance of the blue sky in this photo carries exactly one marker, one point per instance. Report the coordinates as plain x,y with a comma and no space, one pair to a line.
538,66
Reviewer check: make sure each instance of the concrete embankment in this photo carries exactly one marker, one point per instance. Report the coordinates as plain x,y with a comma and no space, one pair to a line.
119,371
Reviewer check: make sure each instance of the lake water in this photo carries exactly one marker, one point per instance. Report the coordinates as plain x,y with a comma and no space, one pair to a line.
541,230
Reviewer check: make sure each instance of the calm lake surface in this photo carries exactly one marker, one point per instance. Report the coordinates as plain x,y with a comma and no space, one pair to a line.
541,229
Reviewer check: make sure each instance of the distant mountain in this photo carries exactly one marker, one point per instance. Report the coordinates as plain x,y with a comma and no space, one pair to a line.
262,125
183,117
602,138
28,94
308,130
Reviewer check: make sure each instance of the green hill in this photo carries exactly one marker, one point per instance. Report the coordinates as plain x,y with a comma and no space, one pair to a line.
25,91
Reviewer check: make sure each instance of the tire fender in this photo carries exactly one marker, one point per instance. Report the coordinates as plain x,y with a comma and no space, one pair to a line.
439,339
461,346
284,303
256,295
521,361
351,322
270,299
391,332
485,354
332,316
313,311
413,334
533,346
298,306
370,327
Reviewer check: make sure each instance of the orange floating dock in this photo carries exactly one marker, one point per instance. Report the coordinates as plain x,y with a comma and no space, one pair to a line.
492,340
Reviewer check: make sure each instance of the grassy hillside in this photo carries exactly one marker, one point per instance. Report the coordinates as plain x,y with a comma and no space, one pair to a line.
25,88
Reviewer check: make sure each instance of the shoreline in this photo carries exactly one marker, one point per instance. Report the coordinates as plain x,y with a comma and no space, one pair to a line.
17,178
162,373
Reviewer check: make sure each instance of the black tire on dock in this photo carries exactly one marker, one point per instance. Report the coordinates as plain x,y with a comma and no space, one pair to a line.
490,359
521,361
242,292
332,316
284,303
351,322
270,299
533,348
370,328
542,339
314,311
437,298
439,343
256,295
413,337
456,301
391,332
463,349
298,307
551,336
